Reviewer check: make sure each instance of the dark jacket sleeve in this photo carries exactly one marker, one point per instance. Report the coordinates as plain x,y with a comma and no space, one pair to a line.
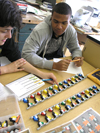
10,50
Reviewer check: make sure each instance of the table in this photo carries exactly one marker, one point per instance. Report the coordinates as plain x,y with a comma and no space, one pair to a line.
94,102
31,19
82,35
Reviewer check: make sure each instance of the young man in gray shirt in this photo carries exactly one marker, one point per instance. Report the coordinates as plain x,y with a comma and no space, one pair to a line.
50,38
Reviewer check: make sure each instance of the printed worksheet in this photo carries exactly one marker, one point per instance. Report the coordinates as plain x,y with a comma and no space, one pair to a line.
64,128
88,122
24,86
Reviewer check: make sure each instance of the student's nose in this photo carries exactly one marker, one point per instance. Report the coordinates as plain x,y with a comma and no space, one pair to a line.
59,26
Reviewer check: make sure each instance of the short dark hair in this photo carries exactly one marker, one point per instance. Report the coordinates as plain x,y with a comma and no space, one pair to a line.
62,8
10,14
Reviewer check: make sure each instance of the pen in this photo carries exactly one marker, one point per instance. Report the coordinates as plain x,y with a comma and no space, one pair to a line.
75,60
46,79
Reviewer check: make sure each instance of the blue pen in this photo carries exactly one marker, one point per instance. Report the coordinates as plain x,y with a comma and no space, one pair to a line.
46,79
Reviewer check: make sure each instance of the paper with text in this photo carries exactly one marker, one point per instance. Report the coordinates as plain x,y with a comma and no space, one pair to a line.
24,86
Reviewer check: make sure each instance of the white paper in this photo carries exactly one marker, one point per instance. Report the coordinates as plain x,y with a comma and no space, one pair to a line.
4,91
34,10
4,61
21,87
72,68
26,85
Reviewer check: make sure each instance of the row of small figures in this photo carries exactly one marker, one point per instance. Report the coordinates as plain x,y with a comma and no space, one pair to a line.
72,102
52,90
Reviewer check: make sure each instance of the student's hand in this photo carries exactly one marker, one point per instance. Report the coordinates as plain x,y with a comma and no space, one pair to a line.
80,62
50,76
61,65
15,66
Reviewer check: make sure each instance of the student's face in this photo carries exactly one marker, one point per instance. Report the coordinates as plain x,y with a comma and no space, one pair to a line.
5,33
59,23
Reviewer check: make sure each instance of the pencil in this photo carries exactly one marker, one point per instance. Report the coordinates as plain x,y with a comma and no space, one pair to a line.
75,60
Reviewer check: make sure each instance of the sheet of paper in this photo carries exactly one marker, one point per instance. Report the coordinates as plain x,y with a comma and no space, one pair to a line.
23,86
26,85
4,91
4,61
88,121
72,68
34,10
67,127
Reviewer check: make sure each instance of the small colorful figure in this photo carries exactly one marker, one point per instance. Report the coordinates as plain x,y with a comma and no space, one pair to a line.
4,124
15,119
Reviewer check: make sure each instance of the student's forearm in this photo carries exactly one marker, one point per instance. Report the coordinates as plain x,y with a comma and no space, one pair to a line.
31,69
3,70
27,67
